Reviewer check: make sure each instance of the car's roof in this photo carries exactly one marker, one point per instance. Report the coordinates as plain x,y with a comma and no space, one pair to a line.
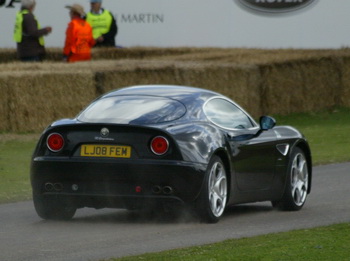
181,93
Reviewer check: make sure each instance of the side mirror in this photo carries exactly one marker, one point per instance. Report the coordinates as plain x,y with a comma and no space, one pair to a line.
267,123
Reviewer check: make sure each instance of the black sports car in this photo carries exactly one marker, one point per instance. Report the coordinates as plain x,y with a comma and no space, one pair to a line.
168,146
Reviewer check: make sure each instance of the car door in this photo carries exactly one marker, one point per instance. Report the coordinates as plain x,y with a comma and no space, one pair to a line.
253,152
254,160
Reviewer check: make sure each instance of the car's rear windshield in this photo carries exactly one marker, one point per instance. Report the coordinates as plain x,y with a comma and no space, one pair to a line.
133,110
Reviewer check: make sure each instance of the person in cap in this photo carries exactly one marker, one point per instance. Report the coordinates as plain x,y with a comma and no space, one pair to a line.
103,24
28,35
79,39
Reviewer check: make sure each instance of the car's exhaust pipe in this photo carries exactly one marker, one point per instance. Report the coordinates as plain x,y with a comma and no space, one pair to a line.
48,186
156,189
167,190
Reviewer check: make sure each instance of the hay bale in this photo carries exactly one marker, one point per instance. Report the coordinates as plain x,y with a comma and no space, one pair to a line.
300,86
236,55
322,82
240,83
281,88
7,55
37,99
135,73
4,109
345,82
261,81
140,53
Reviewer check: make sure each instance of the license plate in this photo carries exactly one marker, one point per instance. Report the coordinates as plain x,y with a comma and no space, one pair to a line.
111,151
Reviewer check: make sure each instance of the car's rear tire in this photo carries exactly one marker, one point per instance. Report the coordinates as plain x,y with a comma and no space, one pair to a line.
297,184
213,197
53,208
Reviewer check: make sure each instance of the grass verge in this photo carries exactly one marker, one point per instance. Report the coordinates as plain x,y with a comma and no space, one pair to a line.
15,153
324,243
327,132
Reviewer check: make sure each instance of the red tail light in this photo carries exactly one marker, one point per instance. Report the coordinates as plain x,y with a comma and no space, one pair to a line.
55,142
159,145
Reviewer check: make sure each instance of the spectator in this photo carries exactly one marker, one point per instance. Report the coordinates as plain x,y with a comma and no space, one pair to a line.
79,38
103,24
28,35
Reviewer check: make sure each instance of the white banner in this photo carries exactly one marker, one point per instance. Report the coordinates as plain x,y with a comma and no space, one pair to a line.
203,23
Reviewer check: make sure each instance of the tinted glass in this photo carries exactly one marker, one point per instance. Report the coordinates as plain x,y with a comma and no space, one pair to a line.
227,115
133,110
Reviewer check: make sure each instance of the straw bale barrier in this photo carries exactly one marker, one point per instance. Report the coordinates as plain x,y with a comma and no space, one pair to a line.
302,86
4,104
240,83
261,81
235,55
7,55
32,105
345,81
136,73
236,82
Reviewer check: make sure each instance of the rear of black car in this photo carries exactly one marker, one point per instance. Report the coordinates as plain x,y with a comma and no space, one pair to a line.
119,169
114,154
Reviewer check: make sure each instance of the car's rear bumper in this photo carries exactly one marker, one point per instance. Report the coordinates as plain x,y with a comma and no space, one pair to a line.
117,183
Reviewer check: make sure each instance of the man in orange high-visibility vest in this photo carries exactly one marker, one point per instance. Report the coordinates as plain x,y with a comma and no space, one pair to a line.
79,38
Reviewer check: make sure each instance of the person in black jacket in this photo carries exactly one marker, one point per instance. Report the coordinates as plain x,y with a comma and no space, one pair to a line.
103,24
28,35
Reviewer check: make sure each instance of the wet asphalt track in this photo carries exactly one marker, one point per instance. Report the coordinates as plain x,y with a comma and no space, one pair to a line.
97,234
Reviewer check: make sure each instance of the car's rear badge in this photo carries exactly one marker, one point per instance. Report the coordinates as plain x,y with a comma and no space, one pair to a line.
104,132
104,135
275,6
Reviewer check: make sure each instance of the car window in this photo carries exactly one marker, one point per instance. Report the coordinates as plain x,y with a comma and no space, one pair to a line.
133,110
227,115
